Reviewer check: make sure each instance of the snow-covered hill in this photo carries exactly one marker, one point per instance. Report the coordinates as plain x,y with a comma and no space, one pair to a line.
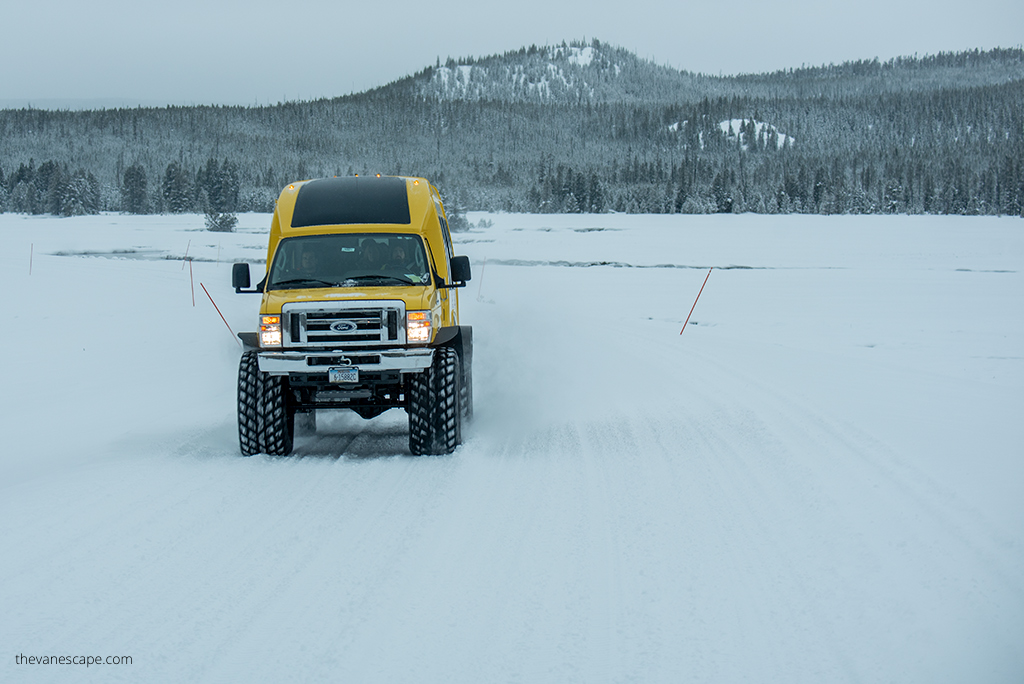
561,74
597,72
548,74
818,481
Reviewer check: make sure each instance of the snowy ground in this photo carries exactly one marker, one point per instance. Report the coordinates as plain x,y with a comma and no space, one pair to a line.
819,481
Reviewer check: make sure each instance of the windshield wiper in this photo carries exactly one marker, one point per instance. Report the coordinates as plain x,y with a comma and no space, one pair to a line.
294,283
404,281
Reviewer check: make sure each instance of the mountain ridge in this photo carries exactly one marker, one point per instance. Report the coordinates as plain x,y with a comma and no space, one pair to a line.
596,72
575,127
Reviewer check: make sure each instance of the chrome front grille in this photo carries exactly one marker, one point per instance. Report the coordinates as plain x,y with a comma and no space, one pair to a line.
344,327
343,324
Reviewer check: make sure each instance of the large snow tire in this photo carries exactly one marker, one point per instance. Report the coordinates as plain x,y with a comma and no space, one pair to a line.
266,422
248,398
276,419
435,398
466,386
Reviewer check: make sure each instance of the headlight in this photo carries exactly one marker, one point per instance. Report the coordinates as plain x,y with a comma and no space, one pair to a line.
417,326
270,331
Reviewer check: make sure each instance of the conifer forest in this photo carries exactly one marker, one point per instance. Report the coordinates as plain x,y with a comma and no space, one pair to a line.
580,127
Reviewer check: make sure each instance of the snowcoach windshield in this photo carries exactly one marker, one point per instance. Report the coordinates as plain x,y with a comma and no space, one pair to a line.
349,260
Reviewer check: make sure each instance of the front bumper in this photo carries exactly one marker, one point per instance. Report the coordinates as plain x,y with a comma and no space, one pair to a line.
366,360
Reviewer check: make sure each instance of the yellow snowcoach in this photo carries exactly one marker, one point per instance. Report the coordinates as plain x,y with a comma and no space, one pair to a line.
360,311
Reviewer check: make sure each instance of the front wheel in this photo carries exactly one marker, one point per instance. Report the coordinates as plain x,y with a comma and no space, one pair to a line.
248,400
435,412
266,422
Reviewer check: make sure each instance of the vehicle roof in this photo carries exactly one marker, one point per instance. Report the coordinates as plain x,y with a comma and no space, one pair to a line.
395,204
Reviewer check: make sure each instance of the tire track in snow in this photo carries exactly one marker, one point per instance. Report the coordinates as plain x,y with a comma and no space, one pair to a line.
881,503
828,434
787,478
186,560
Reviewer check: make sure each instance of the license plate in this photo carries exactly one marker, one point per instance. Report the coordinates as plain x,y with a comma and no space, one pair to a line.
343,374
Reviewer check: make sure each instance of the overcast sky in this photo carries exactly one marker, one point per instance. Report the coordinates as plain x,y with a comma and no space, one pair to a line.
118,52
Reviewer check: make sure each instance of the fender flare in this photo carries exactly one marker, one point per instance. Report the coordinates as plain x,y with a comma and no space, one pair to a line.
458,336
250,340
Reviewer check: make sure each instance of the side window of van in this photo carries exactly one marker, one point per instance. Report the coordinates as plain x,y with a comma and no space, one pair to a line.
444,230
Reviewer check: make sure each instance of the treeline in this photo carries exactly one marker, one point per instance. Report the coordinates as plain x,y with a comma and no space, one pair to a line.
51,188
790,183
931,145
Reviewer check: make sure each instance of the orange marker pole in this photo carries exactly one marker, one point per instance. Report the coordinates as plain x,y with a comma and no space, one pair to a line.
480,285
233,335
192,283
695,300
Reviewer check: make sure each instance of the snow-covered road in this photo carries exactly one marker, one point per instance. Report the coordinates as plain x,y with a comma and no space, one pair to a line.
819,481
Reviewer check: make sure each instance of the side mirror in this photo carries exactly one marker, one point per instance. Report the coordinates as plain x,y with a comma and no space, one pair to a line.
460,271
240,277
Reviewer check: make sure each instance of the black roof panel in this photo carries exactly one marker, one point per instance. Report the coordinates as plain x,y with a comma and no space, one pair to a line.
352,199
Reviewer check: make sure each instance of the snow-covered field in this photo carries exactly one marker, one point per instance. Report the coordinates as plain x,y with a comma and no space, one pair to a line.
819,481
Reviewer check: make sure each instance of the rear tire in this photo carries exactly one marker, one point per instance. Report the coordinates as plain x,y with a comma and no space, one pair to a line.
466,386
266,422
435,398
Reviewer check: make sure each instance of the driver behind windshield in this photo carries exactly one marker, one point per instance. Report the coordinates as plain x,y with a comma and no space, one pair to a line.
401,263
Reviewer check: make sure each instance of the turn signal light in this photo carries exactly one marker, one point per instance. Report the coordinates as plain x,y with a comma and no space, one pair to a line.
417,326
270,331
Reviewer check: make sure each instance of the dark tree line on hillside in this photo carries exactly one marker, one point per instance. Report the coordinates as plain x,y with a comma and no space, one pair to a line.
52,189
930,145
